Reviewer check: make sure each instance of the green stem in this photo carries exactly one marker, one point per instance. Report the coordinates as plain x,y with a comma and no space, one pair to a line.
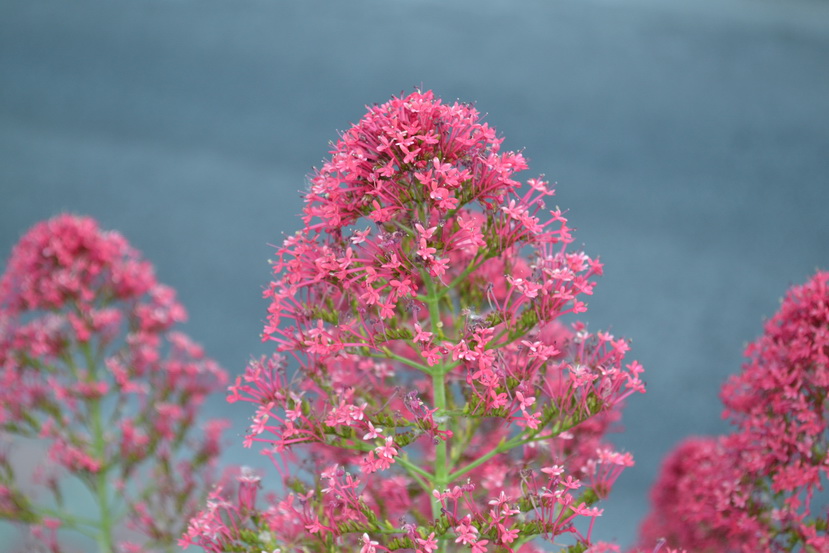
423,478
100,483
441,477
441,468
388,354
516,545
414,468
503,447
78,524
66,517
473,265
500,448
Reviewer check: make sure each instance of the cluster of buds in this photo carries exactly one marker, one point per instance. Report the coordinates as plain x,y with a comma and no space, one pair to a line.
426,394
759,488
94,376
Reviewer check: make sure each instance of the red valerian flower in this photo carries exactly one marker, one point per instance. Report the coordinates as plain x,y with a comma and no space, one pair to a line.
91,367
424,297
757,488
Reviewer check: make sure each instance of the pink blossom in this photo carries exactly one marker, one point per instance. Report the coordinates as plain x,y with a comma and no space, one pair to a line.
92,366
420,304
467,534
754,489
428,544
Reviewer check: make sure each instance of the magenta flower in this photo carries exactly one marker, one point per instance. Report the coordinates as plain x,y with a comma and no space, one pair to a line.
421,303
757,489
778,401
91,368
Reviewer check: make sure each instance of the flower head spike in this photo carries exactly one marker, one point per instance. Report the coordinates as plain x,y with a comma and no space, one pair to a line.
423,297
758,488
92,368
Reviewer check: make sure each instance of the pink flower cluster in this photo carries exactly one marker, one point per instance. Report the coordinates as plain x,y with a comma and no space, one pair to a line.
92,368
440,403
758,489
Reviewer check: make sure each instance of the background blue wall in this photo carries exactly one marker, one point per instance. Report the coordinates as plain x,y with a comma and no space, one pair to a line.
690,142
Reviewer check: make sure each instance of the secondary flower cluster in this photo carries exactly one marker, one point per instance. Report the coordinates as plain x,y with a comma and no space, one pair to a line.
439,402
758,489
91,368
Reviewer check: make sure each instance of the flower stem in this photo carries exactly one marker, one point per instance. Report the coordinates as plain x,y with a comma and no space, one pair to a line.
502,447
441,471
441,468
100,482
423,477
